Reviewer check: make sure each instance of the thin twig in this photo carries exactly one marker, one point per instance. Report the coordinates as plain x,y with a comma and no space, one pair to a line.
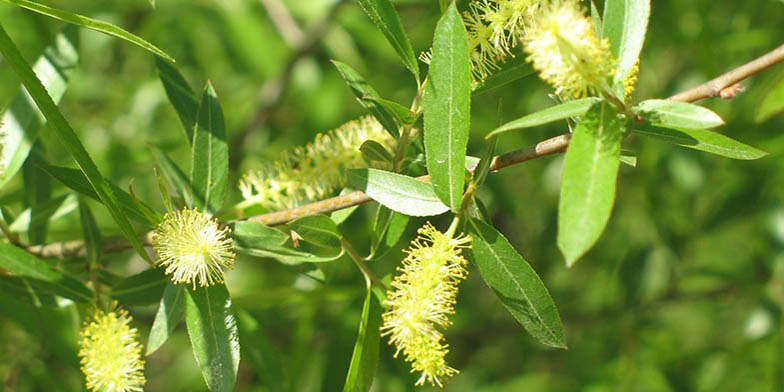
287,27
547,147
370,277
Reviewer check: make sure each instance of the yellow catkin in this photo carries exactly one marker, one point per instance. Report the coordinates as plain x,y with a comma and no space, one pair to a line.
110,353
193,247
421,298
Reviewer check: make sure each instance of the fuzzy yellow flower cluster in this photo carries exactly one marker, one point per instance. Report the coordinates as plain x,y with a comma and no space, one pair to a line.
192,246
315,171
422,297
111,355
562,45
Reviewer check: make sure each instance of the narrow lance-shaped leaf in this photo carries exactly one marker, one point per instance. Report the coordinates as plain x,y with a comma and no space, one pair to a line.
262,358
512,70
385,17
212,328
175,176
91,233
97,25
364,360
22,120
368,97
69,138
516,284
170,312
588,181
703,140
180,95
772,103
210,159
447,106
678,115
144,288
625,24
397,192
37,191
569,109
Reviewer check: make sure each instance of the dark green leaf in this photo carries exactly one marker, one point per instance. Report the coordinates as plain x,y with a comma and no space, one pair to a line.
373,151
384,16
75,180
37,191
255,239
97,25
318,230
255,235
569,109
678,115
91,234
588,181
402,114
772,103
144,288
516,284
265,362
514,69
175,176
40,275
210,159
483,167
340,216
388,227
364,360
68,137
212,328
367,97
447,108
625,24
29,293
180,95
703,140
21,121
397,192
170,312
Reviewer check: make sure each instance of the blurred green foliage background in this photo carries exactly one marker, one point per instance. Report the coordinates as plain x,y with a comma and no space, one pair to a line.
684,292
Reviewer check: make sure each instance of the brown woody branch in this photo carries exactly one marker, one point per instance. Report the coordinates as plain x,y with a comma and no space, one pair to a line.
544,148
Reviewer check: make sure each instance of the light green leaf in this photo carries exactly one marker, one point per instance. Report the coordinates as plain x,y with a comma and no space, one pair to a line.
255,239
210,159
91,234
364,360
588,181
625,24
516,284
170,313
703,140
21,121
68,137
368,97
212,328
318,230
48,211
184,100
772,103
92,24
397,192
678,115
384,16
447,108
569,109
144,288
40,275
175,176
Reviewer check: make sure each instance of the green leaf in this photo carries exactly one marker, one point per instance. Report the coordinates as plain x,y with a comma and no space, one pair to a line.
368,97
588,181
678,115
384,16
22,120
212,328
170,312
388,227
373,151
341,215
40,275
772,103
318,230
180,95
92,24
514,69
569,109
175,176
401,113
447,108
68,137
48,211
91,234
144,288
625,24
210,159
364,360
703,140
37,191
483,167
263,359
397,192
22,290
255,239
75,180
516,284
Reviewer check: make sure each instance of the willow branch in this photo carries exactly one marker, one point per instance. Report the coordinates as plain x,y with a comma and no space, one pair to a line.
284,22
544,148
713,88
